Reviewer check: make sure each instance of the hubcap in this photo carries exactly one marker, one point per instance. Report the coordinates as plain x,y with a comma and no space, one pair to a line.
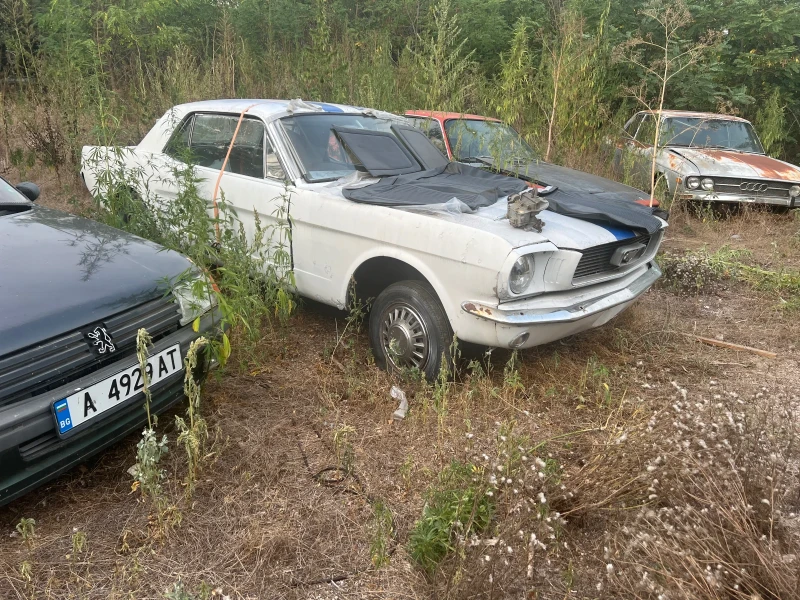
404,337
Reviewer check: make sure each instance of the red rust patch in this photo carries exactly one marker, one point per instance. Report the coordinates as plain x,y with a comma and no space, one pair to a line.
477,310
766,167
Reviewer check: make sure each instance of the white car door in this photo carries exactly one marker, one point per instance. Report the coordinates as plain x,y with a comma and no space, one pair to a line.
251,192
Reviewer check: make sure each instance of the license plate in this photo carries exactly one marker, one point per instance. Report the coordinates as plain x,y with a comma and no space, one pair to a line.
89,403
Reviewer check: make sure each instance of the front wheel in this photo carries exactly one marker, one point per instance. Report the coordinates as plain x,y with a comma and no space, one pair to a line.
408,329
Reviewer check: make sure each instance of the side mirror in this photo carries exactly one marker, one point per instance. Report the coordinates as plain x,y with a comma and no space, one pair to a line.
29,190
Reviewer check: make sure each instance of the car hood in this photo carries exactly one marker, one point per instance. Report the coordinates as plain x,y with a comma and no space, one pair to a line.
60,272
571,180
563,231
729,163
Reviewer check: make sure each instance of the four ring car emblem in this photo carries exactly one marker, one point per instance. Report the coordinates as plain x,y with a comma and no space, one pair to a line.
101,340
748,186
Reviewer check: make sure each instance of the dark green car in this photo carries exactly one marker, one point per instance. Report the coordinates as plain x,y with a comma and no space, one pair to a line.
73,295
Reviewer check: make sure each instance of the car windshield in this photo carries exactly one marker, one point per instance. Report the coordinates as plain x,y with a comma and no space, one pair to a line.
697,132
321,155
474,138
11,198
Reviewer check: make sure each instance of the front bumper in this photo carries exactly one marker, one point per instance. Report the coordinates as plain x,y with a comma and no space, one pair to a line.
31,452
551,317
693,196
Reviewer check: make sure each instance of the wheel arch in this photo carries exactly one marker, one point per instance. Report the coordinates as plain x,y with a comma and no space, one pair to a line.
375,272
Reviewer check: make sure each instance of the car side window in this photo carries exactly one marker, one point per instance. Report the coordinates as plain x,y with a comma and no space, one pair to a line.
274,167
432,129
633,125
178,145
647,131
211,136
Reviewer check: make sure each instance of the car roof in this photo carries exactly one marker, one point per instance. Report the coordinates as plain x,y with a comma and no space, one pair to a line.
695,114
268,110
445,116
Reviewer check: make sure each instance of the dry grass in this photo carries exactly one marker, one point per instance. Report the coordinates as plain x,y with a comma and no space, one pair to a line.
599,408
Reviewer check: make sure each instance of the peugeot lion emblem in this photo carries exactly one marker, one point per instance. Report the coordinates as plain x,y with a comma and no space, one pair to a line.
101,340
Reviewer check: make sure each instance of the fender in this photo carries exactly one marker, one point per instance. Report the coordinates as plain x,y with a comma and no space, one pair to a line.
450,307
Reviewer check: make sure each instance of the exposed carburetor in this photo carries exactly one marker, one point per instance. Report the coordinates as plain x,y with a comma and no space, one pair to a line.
523,208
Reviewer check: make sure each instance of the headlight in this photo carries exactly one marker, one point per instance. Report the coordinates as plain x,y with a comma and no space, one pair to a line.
794,191
195,296
521,274
707,184
692,183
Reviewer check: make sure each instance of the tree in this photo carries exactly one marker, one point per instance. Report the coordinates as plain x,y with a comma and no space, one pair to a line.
443,68
661,58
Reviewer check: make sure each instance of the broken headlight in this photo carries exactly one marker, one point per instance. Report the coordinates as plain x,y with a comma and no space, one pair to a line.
794,191
196,295
521,274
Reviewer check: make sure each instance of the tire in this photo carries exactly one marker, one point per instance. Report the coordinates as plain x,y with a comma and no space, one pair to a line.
406,315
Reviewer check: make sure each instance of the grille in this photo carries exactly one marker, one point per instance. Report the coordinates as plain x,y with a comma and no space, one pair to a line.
597,260
66,358
731,185
38,446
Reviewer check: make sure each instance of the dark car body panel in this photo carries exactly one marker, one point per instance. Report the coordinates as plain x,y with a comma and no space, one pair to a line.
572,180
60,272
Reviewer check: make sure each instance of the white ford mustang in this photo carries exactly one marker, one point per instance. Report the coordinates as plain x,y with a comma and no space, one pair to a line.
437,246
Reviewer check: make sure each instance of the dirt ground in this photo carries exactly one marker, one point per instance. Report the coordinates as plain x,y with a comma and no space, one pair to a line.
274,513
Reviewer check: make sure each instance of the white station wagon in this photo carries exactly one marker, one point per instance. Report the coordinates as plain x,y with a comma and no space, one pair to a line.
436,246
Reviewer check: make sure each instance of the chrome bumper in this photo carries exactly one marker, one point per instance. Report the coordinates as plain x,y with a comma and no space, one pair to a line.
736,199
520,317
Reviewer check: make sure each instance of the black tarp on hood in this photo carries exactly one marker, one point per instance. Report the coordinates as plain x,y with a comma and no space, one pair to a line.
608,211
474,187
478,188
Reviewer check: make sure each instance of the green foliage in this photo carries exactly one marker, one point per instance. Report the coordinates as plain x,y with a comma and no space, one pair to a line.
514,95
442,80
193,431
382,530
456,506
26,528
101,72
771,123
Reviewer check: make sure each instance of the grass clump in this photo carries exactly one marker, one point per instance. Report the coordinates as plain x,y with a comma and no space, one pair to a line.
457,506
697,272
700,272
382,531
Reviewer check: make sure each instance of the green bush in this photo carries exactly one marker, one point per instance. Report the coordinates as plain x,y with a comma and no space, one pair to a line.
456,507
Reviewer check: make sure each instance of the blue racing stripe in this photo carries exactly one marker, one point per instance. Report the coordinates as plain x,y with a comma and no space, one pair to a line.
620,234
327,107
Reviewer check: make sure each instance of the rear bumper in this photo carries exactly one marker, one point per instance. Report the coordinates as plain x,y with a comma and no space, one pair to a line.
531,322
31,452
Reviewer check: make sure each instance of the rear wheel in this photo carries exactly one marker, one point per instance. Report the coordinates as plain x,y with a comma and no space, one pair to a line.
408,329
